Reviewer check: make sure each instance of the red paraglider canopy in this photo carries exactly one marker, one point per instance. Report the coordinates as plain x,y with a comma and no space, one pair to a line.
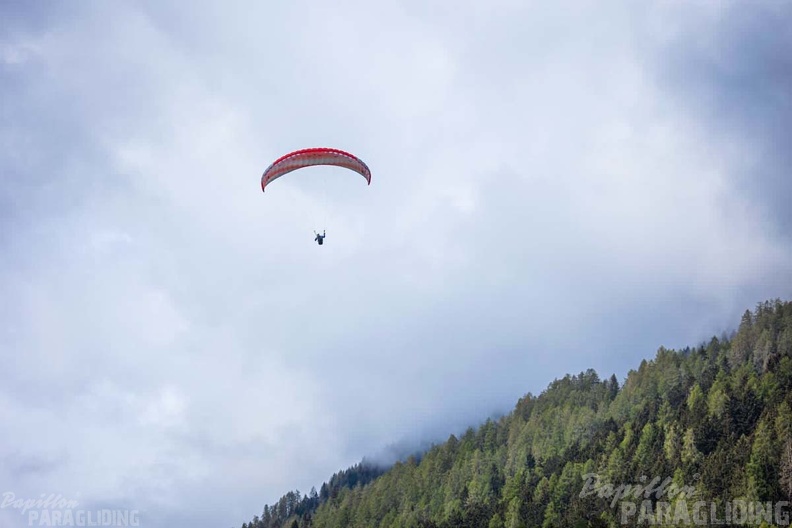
314,156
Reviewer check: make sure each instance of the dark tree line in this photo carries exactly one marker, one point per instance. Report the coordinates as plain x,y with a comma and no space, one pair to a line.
294,509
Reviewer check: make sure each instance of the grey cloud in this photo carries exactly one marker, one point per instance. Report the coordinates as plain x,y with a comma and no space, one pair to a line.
545,199
733,72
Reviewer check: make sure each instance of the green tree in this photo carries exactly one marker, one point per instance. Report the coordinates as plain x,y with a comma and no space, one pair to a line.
696,404
743,343
672,444
785,470
690,454
717,399
762,467
496,521
513,514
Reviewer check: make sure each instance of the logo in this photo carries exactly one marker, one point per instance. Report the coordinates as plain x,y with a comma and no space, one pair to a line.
662,502
57,510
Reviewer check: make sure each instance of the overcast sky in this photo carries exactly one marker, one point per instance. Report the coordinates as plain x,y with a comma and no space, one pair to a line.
556,187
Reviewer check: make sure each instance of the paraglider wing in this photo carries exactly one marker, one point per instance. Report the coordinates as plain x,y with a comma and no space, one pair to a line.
314,156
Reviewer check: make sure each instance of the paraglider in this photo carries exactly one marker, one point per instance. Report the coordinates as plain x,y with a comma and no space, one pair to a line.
300,159
313,156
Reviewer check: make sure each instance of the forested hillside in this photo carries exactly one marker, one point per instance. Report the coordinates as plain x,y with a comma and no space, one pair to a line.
714,421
